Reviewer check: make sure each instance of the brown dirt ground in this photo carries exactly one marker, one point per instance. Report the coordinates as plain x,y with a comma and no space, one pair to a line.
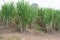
8,34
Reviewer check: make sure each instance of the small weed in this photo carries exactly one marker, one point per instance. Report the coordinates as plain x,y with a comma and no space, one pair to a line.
14,38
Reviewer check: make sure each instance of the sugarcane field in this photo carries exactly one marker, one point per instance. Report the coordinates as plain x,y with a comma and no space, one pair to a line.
34,20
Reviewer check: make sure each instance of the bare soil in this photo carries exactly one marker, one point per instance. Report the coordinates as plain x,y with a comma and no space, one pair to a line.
12,34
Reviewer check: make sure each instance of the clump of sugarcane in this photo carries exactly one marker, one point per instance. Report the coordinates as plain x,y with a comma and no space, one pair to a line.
8,13
49,19
26,14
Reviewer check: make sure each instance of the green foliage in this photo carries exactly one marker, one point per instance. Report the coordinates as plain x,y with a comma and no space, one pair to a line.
24,14
49,18
8,13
